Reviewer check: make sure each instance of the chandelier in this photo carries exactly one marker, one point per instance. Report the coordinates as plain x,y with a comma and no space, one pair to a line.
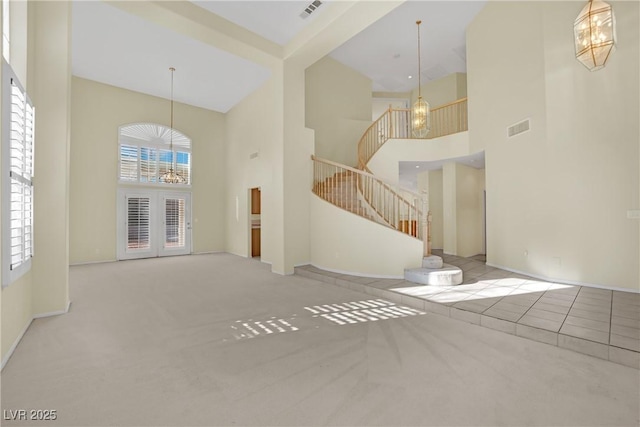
420,113
171,176
595,34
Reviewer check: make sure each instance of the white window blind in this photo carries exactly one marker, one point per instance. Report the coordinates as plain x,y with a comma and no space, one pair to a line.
174,223
138,223
148,164
145,154
18,149
128,163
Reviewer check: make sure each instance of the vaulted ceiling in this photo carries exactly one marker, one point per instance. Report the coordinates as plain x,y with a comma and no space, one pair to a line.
122,49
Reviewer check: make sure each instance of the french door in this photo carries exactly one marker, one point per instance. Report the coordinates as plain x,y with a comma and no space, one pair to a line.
153,223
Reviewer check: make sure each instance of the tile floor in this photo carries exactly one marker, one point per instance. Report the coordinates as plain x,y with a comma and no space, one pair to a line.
598,322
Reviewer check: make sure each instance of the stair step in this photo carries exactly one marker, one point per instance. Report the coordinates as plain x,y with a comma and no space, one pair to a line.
432,261
448,275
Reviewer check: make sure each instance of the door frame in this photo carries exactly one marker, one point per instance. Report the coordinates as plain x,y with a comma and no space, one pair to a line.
157,199
250,221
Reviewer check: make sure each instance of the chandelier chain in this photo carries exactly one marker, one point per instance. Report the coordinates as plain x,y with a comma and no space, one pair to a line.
171,121
419,76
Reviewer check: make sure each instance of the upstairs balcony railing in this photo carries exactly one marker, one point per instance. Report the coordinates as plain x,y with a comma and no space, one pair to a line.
395,123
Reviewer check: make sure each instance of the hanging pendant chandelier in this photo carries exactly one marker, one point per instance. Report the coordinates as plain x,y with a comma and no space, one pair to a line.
420,113
171,176
595,34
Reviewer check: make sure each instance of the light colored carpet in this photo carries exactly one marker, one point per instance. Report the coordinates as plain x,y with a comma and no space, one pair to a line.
168,342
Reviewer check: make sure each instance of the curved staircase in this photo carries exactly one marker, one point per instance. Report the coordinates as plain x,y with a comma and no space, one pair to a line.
360,192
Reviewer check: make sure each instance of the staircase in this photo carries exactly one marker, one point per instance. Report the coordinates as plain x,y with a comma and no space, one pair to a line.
366,195
360,192
341,190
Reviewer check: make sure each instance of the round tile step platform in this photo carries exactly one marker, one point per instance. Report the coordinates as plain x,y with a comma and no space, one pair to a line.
448,275
432,261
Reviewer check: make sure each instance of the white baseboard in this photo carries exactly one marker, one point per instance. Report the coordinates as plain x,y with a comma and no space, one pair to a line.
563,281
53,313
13,347
207,252
92,262
353,273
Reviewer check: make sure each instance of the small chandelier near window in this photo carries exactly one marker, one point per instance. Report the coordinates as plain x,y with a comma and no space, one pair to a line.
595,34
420,114
171,176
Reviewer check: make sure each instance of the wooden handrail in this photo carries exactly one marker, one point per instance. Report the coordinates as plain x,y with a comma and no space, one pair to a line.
446,119
364,194
359,191
363,173
457,101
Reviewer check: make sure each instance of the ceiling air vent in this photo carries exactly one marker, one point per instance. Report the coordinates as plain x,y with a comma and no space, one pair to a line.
518,128
310,9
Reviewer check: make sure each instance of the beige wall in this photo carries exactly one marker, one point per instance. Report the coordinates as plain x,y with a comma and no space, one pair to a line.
443,91
17,312
338,108
43,290
279,122
469,215
566,222
262,138
362,252
449,213
462,201
431,182
51,98
435,206
384,162
97,112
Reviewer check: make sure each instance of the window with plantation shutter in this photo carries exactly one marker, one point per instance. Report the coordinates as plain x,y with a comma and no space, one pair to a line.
153,223
145,154
18,124
128,163
174,223
138,223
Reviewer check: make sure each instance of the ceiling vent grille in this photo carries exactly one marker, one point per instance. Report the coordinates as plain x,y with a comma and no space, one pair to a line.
518,128
310,9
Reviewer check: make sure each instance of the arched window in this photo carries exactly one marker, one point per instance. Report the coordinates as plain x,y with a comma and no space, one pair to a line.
145,154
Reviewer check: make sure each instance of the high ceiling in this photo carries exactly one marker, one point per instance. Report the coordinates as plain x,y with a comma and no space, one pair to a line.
387,51
278,21
117,48
114,47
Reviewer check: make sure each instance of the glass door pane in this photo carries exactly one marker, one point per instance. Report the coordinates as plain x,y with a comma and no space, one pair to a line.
176,227
138,223
153,223
174,230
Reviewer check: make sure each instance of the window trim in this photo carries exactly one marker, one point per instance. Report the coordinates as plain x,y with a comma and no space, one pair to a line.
6,30
9,274
182,146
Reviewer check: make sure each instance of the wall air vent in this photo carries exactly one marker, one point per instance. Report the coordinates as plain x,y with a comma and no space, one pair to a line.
518,128
310,9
